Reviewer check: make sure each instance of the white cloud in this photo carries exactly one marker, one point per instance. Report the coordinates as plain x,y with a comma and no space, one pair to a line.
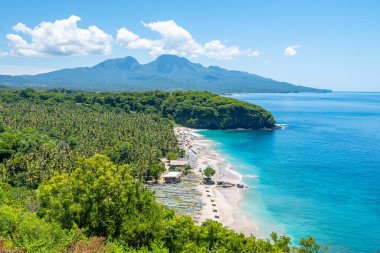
216,50
129,39
63,37
291,51
174,39
254,53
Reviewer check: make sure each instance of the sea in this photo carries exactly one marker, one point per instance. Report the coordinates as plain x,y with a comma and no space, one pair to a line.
319,175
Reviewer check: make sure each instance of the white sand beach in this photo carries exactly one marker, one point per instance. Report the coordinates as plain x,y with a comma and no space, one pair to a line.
220,204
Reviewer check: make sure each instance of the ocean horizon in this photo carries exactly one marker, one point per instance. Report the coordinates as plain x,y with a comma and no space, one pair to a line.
319,175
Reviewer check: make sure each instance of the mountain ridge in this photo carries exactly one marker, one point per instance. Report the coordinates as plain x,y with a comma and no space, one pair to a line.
167,72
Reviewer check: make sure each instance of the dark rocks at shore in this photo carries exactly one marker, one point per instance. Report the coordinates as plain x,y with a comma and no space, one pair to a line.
276,127
229,185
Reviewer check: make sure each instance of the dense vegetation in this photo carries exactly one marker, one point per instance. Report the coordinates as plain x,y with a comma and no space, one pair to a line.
72,175
192,108
43,139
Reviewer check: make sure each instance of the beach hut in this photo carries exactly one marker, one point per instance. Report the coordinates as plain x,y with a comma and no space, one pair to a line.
173,177
177,164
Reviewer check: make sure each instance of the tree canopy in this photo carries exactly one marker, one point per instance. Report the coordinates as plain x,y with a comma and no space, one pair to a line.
209,171
197,109
73,167
104,200
39,140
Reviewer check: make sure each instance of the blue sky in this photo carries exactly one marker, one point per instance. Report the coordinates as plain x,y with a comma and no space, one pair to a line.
325,44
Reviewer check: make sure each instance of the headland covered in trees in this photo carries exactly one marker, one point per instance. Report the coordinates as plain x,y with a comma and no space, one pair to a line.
74,167
196,109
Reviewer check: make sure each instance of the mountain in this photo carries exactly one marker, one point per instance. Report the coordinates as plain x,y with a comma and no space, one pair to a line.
167,72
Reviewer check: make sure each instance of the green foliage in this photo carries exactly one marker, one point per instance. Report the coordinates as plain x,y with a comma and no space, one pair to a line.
172,156
309,245
205,110
23,229
187,169
119,215
156,170
181,152
209,171
198,109
27,231
19,154
88,154
104,200
58,134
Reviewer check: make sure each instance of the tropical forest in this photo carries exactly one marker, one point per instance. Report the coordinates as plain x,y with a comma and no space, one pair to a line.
74,168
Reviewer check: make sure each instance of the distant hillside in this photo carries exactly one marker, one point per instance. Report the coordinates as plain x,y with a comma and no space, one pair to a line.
167,72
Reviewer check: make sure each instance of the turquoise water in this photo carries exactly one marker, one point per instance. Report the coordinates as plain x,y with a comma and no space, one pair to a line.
320,175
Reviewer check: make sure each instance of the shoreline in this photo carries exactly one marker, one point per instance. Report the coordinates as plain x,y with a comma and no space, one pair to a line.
219,204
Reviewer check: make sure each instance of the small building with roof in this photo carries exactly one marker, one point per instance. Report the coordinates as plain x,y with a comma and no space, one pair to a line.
178,164
172,177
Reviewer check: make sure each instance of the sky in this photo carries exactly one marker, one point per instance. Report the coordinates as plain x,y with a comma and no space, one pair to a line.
322,44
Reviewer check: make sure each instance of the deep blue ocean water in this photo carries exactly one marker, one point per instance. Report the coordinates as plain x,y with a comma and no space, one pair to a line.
320,175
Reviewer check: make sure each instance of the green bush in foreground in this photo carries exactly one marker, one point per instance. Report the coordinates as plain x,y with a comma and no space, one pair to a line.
30,233
100,206
104,200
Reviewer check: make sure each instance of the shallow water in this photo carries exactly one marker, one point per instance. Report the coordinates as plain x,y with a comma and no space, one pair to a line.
320,175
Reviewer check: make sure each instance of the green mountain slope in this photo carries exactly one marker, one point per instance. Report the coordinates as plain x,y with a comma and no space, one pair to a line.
167,72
